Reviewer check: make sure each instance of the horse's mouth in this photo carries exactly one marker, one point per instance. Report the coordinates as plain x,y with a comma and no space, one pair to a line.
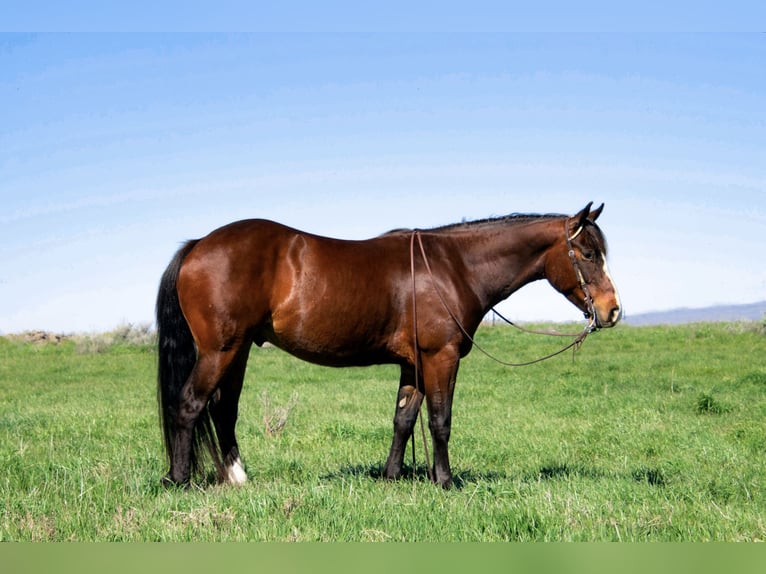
614,316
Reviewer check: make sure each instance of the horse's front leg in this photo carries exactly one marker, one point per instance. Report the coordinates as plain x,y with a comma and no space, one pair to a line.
408,402
440,373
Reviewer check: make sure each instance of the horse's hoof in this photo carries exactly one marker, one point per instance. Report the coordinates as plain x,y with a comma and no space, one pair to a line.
390,474
445,482
170,484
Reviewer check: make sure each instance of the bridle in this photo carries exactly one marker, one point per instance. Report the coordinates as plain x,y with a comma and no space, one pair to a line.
590,315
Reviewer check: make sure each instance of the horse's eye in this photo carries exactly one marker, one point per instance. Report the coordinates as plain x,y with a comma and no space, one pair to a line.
588,255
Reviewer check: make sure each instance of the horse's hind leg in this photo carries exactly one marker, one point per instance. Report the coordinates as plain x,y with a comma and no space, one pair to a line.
224,410
408,403
208,371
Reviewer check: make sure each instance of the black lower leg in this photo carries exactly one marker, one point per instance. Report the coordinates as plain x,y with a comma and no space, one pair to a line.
407,406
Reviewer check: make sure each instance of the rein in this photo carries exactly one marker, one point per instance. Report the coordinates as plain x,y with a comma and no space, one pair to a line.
590,314
417,363
578,337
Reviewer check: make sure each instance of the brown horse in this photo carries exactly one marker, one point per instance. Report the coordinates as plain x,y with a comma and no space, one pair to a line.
343,303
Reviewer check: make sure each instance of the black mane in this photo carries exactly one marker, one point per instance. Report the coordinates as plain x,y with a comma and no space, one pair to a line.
513,218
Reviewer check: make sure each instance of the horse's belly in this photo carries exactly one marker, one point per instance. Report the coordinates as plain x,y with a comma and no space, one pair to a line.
335,340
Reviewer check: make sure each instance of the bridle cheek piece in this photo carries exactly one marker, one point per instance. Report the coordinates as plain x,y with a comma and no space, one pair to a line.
590,313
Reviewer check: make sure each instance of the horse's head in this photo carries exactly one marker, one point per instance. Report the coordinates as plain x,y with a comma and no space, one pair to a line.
576,266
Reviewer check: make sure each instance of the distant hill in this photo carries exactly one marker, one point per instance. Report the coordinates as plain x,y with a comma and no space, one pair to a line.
748,312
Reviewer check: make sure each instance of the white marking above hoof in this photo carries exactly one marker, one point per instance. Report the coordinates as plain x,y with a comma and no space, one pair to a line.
235,473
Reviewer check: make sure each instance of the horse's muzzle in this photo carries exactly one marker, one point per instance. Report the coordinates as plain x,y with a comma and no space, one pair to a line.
612,318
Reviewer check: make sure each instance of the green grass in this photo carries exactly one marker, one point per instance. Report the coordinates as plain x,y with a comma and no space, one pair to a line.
651,434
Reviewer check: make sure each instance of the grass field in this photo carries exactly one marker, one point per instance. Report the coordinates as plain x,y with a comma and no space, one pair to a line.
651,434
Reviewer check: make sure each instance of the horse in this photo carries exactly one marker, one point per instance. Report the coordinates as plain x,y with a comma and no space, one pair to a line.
344,303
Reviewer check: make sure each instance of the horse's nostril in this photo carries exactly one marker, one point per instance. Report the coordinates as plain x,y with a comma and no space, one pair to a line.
615,315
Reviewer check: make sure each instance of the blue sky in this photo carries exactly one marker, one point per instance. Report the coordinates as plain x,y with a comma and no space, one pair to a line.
114,148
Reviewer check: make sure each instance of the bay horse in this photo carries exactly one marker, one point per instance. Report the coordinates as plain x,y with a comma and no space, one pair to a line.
350,303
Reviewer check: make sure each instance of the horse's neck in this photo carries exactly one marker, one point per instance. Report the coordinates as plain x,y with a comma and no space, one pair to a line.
505,257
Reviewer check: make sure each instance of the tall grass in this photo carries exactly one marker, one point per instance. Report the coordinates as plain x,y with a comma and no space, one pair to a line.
127,334
649,434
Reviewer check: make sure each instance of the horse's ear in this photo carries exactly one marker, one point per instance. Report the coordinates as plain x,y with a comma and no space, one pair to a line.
577,222
593,215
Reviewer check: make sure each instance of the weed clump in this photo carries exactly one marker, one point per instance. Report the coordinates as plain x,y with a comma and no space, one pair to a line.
707,404
651,476
275,417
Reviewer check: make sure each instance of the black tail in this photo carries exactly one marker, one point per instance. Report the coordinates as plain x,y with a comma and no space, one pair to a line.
176,357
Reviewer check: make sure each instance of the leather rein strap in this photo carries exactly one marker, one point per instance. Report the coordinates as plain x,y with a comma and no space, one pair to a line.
416,353
578,338
576,343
